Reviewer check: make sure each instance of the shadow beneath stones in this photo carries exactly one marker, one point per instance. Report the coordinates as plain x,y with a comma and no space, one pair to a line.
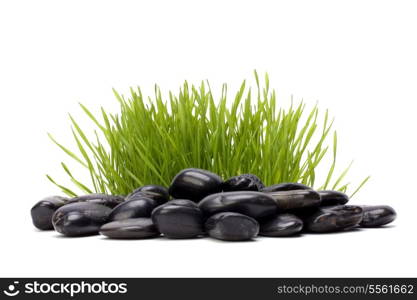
355,229
104,238
163,238
233,242
40,231
61,236
380,227
298,235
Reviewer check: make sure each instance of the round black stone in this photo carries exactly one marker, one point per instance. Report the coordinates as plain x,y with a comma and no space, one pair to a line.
136,228
377,215
230,226
281,225
182,202
286,186
178,219
253,204
295,199
140,207
43,211
333,218
244,182
80,218
195,184
103,199
332,198
156,192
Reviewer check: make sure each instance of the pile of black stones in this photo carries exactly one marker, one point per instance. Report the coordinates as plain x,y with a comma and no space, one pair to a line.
199,203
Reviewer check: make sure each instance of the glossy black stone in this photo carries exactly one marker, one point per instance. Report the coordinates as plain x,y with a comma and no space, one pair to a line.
244,182
80,218
183,202
332,198
295,199
140,207
158,193
43,211
178,219
333,218
286,186
254,204
230,226
195,184
103,199
136,228
281,225
377,215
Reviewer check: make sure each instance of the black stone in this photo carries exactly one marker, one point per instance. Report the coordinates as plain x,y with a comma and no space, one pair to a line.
103,199
140,207
377,215
333,218
295,199
254,204
281,225
286,186
178,219
195,184
230,226
43,211
136,228
244,182
333,198
158,193
80,218
182,202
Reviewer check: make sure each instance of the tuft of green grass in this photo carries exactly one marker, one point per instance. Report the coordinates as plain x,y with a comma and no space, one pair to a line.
152,139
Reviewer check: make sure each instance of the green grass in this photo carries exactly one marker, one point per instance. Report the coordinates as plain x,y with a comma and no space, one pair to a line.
150,140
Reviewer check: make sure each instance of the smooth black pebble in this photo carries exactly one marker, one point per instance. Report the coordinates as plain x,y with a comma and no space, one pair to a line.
244,182
43,211
135,228
377,215
156,192
103,199
254,204
178,219
333,218
333,198
230,226
81,218
140,207
182,202
295,199
286,186
195,184
281,225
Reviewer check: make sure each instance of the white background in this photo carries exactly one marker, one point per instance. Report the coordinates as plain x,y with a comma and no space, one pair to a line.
357,58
